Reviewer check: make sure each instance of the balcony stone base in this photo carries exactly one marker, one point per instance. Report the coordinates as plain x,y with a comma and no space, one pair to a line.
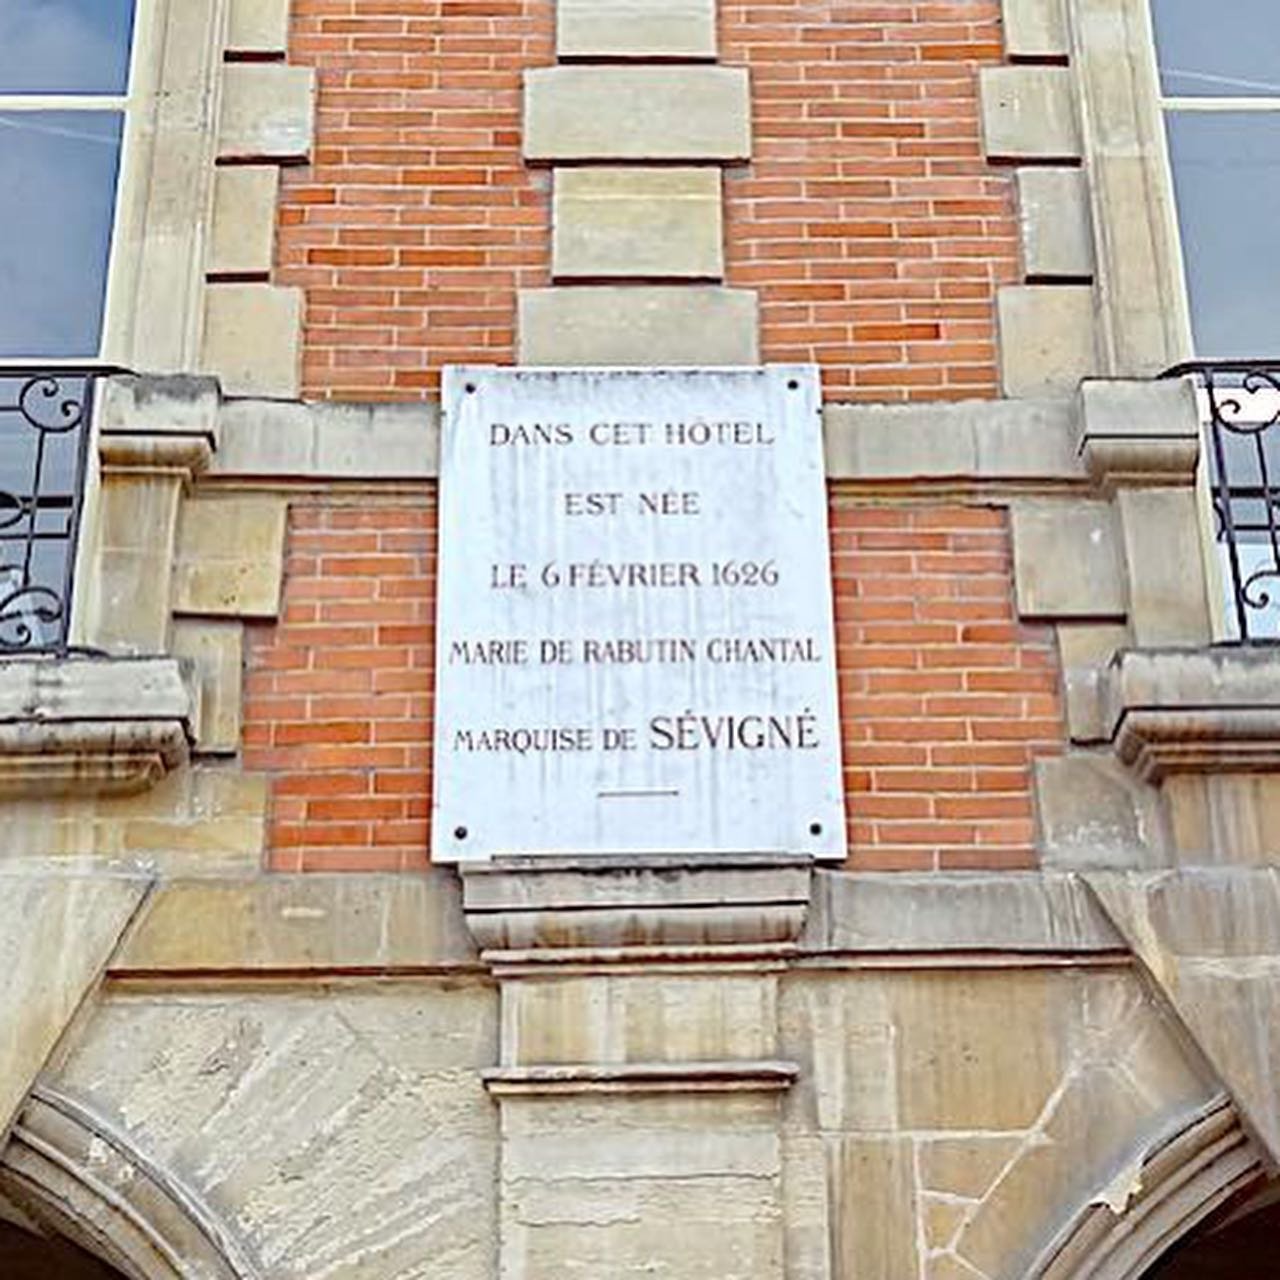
91,726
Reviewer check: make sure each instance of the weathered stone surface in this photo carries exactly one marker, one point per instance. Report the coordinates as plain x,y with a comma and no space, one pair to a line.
56,934
635,29
1135,434
1057,232
991,439
633,221
874,1207
1209,938
243,233
258,26
326,440
1028,113
1035,28
216,652
630,1186
639,1019
78,725
134,405
637,113
1086,649
865,911
268,112
1047,339
640,326
1093,815
1142,299
230,556
297,923
1067,562
334,1130
252,339
1197,710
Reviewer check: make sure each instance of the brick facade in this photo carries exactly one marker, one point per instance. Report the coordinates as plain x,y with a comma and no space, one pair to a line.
946,699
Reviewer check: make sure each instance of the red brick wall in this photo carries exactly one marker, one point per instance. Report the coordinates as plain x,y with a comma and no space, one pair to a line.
868,220
338,693
417,220
946,699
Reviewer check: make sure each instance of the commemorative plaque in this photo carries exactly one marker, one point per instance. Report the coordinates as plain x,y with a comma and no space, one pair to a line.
635,647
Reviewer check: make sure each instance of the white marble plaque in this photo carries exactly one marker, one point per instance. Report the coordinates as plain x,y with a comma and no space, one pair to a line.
635,647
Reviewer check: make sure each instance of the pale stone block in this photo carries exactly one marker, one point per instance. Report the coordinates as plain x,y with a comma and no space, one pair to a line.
56,933
253,339
1093,814
1001,1081
638,1018
1168,592
966,1167
618,221
1057,232
1028,113
1035,29
1086,649
338,1129
216,650
637,113
636,29
258,26
230,556
1047,338
312,921
1067,560
243,235
268,112
638,326
874,1209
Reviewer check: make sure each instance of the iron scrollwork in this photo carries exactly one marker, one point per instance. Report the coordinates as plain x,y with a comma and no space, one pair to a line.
45,419
1241,402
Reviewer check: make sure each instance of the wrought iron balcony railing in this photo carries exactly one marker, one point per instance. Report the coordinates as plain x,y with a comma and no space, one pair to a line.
45,425
1241,410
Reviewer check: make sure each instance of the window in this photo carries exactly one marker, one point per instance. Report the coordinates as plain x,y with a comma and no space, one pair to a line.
1219,68
65,83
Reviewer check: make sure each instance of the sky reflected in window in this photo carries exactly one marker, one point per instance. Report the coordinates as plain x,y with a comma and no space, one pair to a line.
65,46
1226,175
1224,49
57,200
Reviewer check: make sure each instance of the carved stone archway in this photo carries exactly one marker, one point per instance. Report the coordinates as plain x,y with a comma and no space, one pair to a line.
71,1174
1206,1162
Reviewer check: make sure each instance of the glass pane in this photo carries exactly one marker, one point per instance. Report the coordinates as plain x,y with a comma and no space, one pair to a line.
57,201
65,46
1227,49
1226,176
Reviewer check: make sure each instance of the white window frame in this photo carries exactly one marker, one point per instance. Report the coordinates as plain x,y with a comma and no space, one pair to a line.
127,211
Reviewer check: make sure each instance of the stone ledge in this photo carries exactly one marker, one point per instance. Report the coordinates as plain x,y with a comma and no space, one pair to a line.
1139,434
91,726
1194,711
764,1076
526,906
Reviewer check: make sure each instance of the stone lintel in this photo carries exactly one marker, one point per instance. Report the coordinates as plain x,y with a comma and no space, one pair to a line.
764,1076
536,910
1194,710
92,726
638,326
1139,434
637,113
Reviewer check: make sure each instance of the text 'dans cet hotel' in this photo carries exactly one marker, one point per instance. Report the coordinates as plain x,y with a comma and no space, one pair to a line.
635,638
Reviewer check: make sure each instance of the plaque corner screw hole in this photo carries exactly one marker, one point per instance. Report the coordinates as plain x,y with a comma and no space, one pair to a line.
459,833
793,385
815,828
470,388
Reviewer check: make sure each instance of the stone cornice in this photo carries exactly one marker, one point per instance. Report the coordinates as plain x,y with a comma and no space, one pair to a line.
91,725
1140,434
1195,710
